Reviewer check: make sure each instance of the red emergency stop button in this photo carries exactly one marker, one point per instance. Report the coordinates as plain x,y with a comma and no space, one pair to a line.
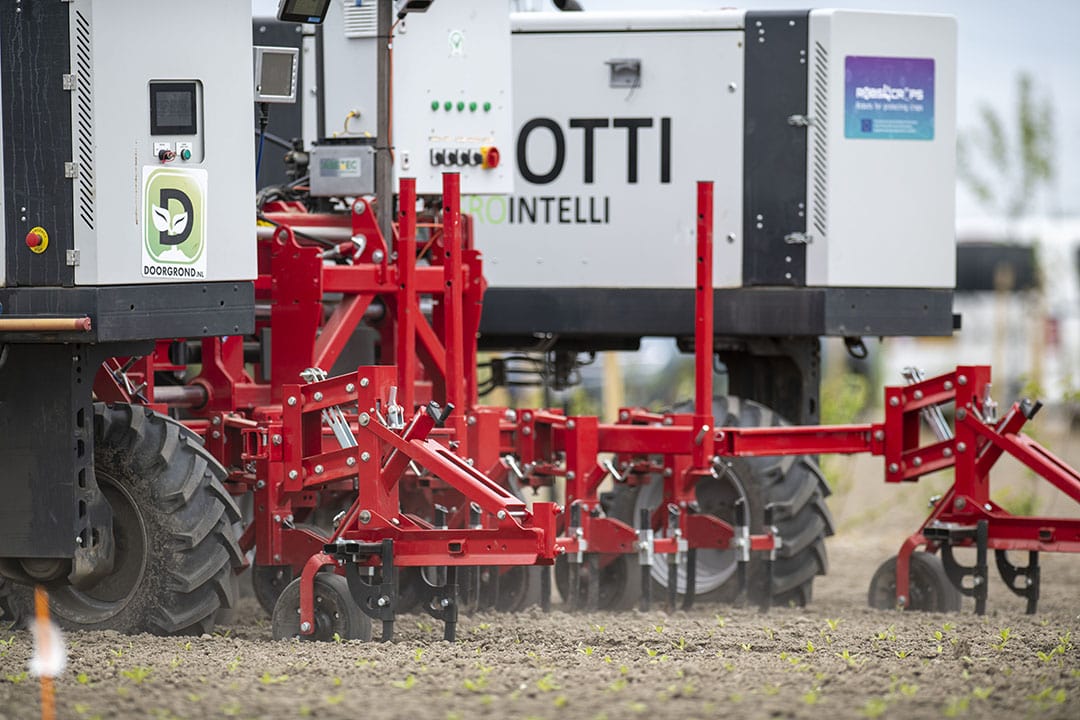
37,240
491,157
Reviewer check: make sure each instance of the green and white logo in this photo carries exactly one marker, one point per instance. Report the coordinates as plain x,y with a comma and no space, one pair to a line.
174,222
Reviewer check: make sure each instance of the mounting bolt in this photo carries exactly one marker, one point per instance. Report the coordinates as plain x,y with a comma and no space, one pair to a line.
961,413
624,415
947,452
383,601
948,385
570,424
350,461
961,447
292,401
259,485
471,420
902,600
216,420
350,387
669,421
365,516
918,395
445,602
510,415
216,434
988,507
305,627
917,462
501,514
377,256
879,435
318,396
894,401
893,468
960,503
962,379
276,439
318,469
364,419
667,472
364,382
526,430
277,518
358,208
277,558
293,474
365,456
395,521
570,475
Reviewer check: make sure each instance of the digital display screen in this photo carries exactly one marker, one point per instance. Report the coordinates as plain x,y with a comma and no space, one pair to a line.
277,74
173,108
303,11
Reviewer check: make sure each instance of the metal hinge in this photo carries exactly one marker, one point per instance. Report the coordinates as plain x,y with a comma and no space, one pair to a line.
70,81
72,258
798,238
71,169
800,120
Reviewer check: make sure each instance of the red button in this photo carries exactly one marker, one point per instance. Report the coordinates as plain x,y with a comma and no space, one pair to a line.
33,240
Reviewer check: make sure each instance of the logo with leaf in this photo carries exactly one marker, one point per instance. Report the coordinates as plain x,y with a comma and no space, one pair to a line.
174,217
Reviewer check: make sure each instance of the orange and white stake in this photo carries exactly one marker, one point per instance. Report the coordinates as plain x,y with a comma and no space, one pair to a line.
49,658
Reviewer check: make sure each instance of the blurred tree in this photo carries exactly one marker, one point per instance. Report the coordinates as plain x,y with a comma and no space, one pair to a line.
1006,174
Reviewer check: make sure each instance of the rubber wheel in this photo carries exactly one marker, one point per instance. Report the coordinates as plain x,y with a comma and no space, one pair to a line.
335,612
795,487
929,585
519,587
620,582
173,527
11,611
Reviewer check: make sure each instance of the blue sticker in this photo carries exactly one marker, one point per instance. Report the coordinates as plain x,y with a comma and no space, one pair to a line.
888,98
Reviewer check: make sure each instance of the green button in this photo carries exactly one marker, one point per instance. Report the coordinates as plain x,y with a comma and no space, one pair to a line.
460,106
434,104
447,105
185,154
487,107
472,107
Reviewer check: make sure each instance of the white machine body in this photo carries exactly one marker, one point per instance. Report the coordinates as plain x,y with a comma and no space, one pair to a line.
163,161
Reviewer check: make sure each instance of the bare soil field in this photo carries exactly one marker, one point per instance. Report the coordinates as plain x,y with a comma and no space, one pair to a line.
836,658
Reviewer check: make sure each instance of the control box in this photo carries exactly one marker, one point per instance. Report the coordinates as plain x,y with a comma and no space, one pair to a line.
452,103
158,164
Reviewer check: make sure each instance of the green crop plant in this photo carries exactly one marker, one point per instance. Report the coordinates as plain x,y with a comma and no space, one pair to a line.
137,674
833,624
875,707
547,683
1004,634
956,707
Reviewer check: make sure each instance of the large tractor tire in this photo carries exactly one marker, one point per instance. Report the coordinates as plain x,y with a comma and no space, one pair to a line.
173,527
795,487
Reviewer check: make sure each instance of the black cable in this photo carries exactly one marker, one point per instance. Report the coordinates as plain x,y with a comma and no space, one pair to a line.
304,235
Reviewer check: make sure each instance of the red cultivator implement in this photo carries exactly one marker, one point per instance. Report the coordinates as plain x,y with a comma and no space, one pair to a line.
393,476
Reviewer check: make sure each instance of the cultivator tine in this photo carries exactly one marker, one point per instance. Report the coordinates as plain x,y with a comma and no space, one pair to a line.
473,575
742,549
378,601
545,589
575,559
592,594
645,557
766,599
1009,573
674,558
691,579
981,571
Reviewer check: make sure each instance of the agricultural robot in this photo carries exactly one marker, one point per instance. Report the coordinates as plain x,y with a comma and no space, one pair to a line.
190,386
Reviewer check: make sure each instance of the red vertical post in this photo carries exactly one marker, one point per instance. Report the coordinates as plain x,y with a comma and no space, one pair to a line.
407,307
453,327
703,330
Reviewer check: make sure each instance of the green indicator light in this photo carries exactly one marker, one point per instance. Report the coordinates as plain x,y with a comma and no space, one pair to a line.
460,106
487,107
434,104
447,105
472,107
185,154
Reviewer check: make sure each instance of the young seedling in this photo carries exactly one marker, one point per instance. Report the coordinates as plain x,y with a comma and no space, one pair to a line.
1004,634
268,679
875,707
137,674
407,683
